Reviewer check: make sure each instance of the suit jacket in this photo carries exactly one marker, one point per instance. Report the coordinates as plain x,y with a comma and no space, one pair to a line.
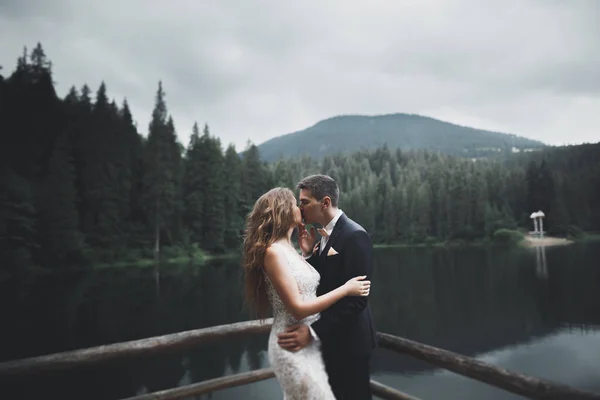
347,326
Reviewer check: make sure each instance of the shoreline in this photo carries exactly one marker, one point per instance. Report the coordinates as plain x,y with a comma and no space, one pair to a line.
548,241
200,258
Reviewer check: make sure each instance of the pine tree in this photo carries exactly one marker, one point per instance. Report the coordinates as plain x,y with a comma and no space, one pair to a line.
254,178
192,190
232,198
18,224
161,179
59,233
133,166
213,187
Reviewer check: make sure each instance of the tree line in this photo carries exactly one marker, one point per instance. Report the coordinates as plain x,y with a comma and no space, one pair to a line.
420,196
80,184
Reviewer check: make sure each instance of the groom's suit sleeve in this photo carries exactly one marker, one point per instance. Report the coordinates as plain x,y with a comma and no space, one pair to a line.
357,260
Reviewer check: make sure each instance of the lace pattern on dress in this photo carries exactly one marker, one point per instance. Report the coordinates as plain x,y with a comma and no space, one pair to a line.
301,374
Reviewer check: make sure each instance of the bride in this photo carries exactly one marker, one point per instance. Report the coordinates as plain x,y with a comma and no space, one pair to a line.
278,277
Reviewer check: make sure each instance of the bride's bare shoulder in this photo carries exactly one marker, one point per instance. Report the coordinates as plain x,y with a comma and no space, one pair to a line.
273,254
275,263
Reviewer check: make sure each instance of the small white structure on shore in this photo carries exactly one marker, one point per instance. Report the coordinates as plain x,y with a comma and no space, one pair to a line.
538,223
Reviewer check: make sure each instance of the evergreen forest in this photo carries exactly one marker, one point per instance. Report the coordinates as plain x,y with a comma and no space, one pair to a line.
80,184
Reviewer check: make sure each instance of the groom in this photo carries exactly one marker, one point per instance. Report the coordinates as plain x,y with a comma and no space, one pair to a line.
346,330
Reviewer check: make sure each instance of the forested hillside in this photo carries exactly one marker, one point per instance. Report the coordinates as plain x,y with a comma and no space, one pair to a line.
349,133
80,185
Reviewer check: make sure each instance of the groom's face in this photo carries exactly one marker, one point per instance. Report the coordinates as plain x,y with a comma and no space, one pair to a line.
310,207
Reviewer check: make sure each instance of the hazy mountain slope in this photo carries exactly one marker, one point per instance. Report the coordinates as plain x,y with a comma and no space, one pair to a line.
354,132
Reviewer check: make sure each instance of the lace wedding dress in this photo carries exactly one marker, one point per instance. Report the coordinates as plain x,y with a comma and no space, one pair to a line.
301,374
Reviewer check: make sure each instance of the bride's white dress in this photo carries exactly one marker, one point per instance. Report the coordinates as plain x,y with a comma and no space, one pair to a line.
301,374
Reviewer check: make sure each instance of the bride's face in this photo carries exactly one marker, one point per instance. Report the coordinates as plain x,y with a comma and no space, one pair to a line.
297,215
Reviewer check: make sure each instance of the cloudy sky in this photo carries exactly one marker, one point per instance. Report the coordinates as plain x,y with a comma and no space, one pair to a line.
255,69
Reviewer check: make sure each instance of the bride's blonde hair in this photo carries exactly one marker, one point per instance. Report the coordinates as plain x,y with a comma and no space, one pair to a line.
270,220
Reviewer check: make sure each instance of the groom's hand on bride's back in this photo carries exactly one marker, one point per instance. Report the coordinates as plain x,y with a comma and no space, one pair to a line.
295,338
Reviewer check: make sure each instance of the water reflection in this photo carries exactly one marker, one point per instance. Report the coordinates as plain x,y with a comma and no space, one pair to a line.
540,262
537,358
509,306
157,279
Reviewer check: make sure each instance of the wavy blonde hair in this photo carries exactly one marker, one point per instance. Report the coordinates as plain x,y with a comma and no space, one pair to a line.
270,220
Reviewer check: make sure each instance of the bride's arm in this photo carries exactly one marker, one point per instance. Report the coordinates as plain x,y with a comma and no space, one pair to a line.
285,284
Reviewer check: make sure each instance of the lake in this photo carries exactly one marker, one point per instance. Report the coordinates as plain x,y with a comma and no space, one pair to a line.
536,312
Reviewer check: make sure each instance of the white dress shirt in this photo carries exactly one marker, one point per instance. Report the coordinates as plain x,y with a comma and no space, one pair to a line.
329,228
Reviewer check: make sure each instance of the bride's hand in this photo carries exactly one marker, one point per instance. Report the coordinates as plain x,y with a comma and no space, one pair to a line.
357,286
306,240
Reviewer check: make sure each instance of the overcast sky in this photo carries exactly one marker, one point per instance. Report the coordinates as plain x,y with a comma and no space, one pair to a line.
256,69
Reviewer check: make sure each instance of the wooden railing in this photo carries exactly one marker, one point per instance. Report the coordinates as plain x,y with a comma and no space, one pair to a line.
517,383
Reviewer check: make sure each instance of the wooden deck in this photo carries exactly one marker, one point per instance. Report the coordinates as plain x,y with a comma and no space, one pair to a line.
513,382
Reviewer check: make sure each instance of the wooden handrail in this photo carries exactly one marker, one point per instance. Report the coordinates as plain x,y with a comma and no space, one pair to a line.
225,382
92,355
388,393
466,366
514,382
211,385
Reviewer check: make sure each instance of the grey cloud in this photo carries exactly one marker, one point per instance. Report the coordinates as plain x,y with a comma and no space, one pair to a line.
18,9
256,69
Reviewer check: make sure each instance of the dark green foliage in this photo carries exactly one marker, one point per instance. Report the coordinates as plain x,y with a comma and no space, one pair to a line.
59,236
79,184
507,236
17,221
161,199
204,191
232,198
419,196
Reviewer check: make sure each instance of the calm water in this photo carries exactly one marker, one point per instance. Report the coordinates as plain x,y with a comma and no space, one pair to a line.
533,312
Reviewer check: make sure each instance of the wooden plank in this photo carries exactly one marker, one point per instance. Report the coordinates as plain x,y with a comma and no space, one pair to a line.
225,382
527,386
208,386
388,393
499,377
92,355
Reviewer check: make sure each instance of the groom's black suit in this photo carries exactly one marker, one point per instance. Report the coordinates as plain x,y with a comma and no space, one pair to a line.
346,329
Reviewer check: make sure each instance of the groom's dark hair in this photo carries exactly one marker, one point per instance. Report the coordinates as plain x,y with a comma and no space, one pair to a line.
321,186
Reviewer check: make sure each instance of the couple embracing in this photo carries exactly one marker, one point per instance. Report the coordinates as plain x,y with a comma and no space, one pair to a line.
323,333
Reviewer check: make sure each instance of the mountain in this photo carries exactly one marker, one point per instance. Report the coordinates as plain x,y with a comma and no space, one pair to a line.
349,133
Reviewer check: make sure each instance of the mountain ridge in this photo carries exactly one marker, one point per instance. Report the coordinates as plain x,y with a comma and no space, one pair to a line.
352,132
